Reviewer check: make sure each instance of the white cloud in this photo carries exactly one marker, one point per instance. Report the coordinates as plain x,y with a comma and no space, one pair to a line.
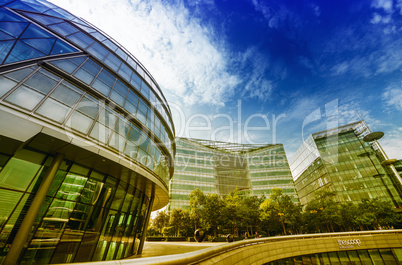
399,6
393,97
377,18
386,5
392,143
256,85
184,56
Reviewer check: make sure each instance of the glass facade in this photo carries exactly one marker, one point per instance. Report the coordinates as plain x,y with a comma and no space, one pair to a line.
67,89
339,160
357,257
220,168
86,216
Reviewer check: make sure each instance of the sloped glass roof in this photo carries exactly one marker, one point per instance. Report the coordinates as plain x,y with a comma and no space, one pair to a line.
21,40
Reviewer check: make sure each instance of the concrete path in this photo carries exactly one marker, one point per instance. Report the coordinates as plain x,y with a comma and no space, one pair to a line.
154,249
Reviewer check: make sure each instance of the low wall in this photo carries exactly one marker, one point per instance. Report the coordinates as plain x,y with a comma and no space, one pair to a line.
263,250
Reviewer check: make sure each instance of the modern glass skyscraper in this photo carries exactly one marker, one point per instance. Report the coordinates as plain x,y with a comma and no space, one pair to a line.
86,140
221,167
340,160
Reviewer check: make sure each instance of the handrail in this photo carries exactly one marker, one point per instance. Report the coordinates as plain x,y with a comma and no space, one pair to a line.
208,253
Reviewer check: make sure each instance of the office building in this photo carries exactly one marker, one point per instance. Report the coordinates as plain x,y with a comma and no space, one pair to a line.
347,160
86,140
221,167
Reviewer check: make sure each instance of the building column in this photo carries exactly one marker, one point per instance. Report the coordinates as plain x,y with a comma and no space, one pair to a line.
26,225
145,226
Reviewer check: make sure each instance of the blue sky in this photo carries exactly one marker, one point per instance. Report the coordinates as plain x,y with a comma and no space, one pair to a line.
257,71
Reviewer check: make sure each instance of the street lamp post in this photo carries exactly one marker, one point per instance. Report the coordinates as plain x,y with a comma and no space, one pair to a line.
373,137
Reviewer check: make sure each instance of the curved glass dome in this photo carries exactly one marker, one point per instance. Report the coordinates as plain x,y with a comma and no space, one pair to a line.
90,64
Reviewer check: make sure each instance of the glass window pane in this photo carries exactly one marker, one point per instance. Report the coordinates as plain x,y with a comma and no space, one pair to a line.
117,142
107,78
44,44
43,19
388,257
131,150
64,28
145,90
130,108
132,97
107,118
8,200
119,99
79,122
18,173
101,87
66,65
144,142
113,62
62,47
5,85
125,71
42,82
98,36
120,88
88,107
121,53
84,76
122,127
53,110
136,81
20,74
81,39
109,44
21,52
375,257
65,94
5,47
142,107
13,28
101,133
134,135
91,67
132,63
98,51
25,97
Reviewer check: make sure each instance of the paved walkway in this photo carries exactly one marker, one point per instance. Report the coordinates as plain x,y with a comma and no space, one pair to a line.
154,249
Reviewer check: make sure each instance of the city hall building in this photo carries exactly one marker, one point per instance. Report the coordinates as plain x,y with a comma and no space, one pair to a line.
86,140
349,161
222,167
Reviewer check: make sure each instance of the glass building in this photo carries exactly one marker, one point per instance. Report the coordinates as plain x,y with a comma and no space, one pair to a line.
221,167
387,256
86,140
340,160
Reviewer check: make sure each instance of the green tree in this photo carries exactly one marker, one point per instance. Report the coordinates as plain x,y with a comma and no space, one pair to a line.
280,209
323,212
161,221
348,214
212,209
376,214
187,228
177,220
232,214
250,211
197,201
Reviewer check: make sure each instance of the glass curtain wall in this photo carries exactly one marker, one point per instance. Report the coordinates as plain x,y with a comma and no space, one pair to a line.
269,168
357,257
86,215
344,164
221,168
